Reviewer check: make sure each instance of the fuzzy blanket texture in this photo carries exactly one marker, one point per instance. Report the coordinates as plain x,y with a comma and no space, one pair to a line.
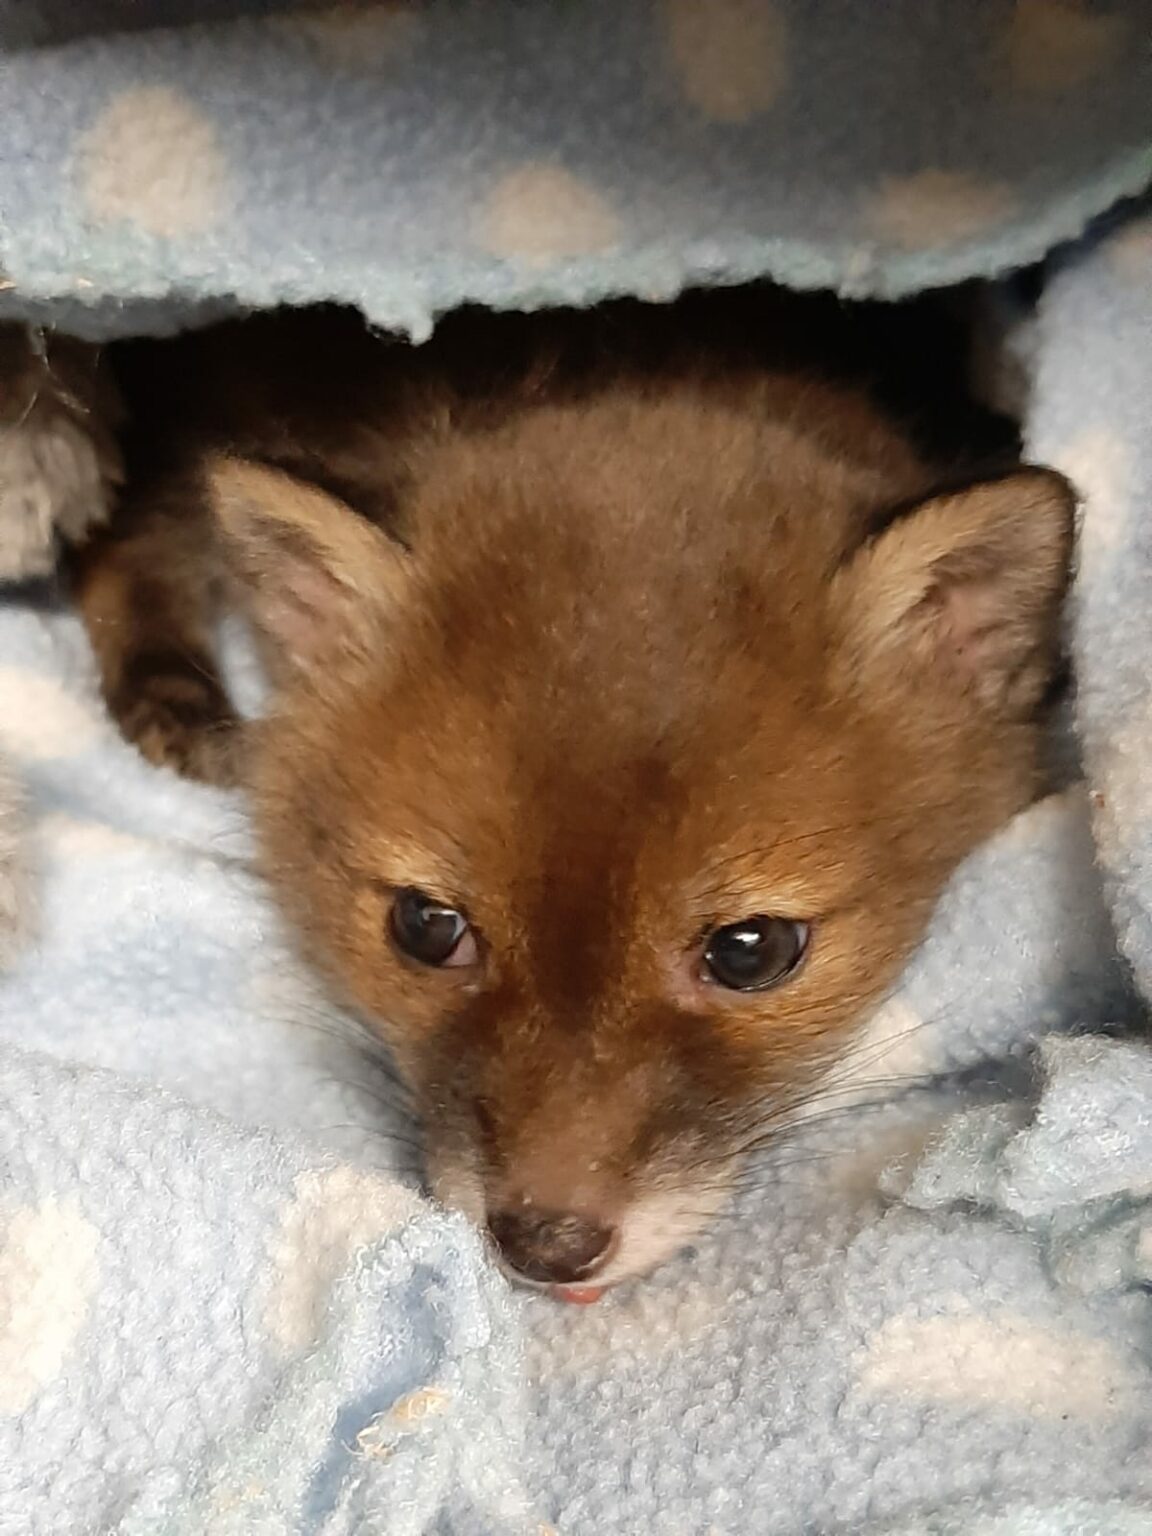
403,156
223,1305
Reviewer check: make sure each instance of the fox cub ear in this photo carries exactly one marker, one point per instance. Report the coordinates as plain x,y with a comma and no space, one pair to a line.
966,589
318,579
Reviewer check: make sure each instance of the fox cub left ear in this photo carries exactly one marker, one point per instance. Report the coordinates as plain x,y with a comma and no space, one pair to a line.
966,588
316,578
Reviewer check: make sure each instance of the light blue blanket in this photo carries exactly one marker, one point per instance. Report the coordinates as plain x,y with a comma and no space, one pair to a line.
222,1307
206,1319
407,154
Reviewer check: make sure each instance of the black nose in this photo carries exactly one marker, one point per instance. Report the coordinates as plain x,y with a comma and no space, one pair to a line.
549,1245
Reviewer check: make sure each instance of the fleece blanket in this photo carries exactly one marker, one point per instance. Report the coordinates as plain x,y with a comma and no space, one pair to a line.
406,154
224,1305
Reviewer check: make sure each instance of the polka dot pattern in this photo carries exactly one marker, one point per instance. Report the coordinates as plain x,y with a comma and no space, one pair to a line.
1059,46
540,214
154,161
359,34
1130,252
996,1362
41,719
332,1216
384,152
49,1271
934,208
730,57
1096,461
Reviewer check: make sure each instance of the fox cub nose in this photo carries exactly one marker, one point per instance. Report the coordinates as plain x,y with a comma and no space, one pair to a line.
551,1246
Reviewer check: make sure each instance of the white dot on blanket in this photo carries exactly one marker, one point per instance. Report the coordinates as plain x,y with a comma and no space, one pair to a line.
730,56
49,1269
357,33
74,837
334,1213
1003,1361
934,208
1034,827
1130,251
540,213
39,719
1122,806
1054,46
1096,461
153,159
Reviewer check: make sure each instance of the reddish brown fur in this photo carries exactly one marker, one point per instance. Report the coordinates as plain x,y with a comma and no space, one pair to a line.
632,677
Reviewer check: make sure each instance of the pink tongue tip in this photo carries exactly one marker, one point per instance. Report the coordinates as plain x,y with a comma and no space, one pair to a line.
578,1295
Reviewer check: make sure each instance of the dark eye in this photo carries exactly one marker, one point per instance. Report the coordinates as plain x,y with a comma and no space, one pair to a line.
756,953
431,932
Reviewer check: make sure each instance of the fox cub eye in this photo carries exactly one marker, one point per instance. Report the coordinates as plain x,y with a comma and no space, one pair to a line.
755,954
426,930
